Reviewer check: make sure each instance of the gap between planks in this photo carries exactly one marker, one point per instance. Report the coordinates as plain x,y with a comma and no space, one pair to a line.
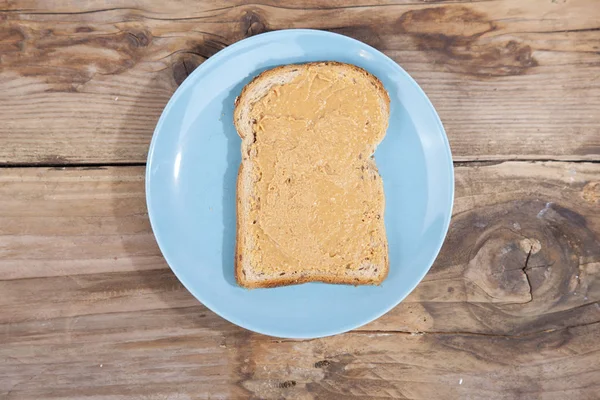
457,163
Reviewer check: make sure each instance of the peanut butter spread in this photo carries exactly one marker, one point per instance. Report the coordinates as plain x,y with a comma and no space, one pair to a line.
321,198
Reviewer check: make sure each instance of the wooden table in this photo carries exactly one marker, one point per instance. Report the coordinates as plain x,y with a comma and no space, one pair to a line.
90,310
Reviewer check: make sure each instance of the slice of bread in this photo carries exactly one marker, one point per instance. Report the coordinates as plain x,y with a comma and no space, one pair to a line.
310,200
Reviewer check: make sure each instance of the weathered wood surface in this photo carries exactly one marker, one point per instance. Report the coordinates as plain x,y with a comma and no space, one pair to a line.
85,82
510,310
89,308
179,355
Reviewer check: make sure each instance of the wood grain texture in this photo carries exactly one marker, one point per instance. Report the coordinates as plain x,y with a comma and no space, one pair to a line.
86,82
177,355
89,308
510,310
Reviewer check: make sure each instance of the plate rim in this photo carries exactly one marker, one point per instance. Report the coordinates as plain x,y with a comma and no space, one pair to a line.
280,333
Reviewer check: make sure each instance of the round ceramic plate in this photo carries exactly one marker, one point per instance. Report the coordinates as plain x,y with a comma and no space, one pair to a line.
191,188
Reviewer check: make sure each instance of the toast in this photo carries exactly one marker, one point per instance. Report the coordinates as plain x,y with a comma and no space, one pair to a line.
310,200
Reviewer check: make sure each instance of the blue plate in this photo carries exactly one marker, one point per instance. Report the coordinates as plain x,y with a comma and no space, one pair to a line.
191,188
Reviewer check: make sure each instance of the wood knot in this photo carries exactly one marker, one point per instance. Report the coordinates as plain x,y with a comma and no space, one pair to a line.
527,259
84,29
523,56
12,40
455,36
208,48
322,364
287,384
591,192
184,66
532,246
81,54
253,24
555,340
458,21
496,270
139,39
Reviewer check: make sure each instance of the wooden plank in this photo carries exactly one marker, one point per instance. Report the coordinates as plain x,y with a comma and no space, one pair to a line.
522,254
176,354
86,82
74,221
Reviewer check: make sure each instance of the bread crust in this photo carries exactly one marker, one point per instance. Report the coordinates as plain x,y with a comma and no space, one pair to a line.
286,281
